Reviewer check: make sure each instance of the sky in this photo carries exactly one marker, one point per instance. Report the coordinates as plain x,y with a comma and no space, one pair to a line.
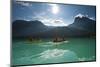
51,14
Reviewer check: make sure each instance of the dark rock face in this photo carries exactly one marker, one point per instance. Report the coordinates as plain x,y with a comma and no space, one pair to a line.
84,23
80,27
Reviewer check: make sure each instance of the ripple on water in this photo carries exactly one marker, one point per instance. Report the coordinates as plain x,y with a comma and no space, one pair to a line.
55,56
51,56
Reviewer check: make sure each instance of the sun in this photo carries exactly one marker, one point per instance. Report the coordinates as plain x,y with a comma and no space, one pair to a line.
54,8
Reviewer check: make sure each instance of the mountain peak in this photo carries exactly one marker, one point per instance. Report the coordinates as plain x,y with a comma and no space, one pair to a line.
81,16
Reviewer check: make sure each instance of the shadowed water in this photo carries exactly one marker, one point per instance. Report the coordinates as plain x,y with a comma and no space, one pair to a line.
46,51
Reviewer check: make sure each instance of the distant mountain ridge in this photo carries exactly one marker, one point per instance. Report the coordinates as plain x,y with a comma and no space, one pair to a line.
82,26
27,28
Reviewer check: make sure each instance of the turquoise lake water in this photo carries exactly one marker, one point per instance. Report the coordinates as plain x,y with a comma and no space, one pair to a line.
46,51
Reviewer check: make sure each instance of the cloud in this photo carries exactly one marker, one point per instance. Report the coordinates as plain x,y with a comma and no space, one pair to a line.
58,23
24,4
92,18
47,20
81,15
50,21
53,22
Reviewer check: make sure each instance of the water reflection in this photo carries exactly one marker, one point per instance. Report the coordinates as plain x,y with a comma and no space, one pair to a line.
55,56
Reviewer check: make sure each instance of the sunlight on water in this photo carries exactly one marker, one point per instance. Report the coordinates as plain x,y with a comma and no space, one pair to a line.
53,53
56,55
